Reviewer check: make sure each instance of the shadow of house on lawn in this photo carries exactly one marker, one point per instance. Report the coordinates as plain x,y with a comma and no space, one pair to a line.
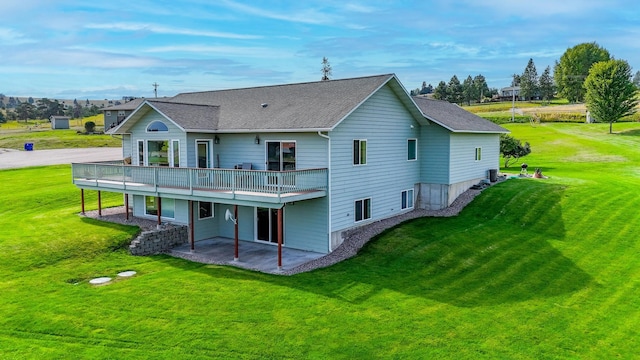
496,251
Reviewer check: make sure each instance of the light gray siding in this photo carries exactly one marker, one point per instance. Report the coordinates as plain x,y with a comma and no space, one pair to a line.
435,152
386,125
464,166
234,149
139,132
306,225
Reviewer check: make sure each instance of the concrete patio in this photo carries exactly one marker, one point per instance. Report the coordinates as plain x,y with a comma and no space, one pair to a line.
251,255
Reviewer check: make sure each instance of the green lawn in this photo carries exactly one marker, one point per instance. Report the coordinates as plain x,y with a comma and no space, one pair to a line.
532,269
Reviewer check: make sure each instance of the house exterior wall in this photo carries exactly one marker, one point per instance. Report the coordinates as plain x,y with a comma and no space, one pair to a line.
233,149
139,132
435,151
386,125
464,166
439,188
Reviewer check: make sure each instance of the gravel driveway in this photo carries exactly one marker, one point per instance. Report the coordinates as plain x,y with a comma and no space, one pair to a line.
11,159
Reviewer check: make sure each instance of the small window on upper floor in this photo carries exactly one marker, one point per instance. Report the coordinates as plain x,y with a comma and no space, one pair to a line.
157,126
412,149
478,154
359,152
108,113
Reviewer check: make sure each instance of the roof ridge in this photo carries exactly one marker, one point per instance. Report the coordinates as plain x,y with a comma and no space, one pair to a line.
283,85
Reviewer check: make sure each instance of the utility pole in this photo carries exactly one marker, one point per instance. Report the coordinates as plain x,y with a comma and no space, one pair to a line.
155,88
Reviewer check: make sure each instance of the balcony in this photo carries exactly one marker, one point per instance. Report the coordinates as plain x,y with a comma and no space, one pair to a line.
276,187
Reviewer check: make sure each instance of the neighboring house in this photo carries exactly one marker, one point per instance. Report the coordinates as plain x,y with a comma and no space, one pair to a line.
510,93
59,122
314,159
114,115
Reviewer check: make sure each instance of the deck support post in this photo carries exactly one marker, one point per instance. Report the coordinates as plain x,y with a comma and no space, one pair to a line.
280,239
236,256
159,202
82,199
192,241
99,203
126,207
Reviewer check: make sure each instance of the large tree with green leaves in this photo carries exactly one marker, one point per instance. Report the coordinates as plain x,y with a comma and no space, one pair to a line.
529,81
573,68
610,93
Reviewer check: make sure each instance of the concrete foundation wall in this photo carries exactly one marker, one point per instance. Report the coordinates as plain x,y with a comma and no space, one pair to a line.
157,241
440,196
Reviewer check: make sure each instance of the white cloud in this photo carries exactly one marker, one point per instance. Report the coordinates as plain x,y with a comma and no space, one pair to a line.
11,37
307,15
159,29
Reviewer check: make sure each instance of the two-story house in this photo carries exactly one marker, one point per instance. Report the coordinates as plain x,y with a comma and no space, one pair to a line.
297,164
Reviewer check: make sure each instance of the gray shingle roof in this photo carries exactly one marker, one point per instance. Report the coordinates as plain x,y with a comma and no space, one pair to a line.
188,116
310,106
130,105
454,118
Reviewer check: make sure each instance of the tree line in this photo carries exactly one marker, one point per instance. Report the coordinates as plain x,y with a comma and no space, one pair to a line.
584,73
43,109
470,90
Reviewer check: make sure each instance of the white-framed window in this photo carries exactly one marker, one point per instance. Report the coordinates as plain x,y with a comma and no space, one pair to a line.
120,112
167,205
108,113
362,209
478,153
159,153
359,152
141,152
157,126
407,199
412,149
205,210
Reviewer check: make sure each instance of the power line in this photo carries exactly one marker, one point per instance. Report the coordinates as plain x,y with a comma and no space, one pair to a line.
155,88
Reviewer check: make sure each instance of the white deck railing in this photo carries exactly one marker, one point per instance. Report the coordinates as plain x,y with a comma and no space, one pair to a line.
260,182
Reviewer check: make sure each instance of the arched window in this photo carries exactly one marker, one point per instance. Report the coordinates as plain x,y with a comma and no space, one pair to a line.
157,126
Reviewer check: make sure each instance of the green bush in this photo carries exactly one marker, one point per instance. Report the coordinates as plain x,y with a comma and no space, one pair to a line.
89,126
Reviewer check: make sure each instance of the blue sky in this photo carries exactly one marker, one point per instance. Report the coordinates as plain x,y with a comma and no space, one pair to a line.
109,49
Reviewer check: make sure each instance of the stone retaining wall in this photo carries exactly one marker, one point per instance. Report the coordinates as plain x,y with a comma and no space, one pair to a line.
157,241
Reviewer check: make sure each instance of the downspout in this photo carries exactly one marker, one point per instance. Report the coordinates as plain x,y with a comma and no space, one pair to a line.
328,182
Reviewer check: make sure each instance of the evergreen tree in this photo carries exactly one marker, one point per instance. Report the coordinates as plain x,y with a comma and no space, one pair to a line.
529,81
547,87
468,90
454,93
481,87
440,92
636,79
326,69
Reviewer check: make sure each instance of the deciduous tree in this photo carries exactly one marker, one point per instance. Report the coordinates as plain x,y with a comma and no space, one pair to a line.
512,149
573,68
610,93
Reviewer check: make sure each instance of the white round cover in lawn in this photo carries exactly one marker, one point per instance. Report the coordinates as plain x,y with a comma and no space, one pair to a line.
127,273
100,280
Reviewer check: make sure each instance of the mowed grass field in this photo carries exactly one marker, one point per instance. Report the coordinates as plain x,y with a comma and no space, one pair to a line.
531,269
